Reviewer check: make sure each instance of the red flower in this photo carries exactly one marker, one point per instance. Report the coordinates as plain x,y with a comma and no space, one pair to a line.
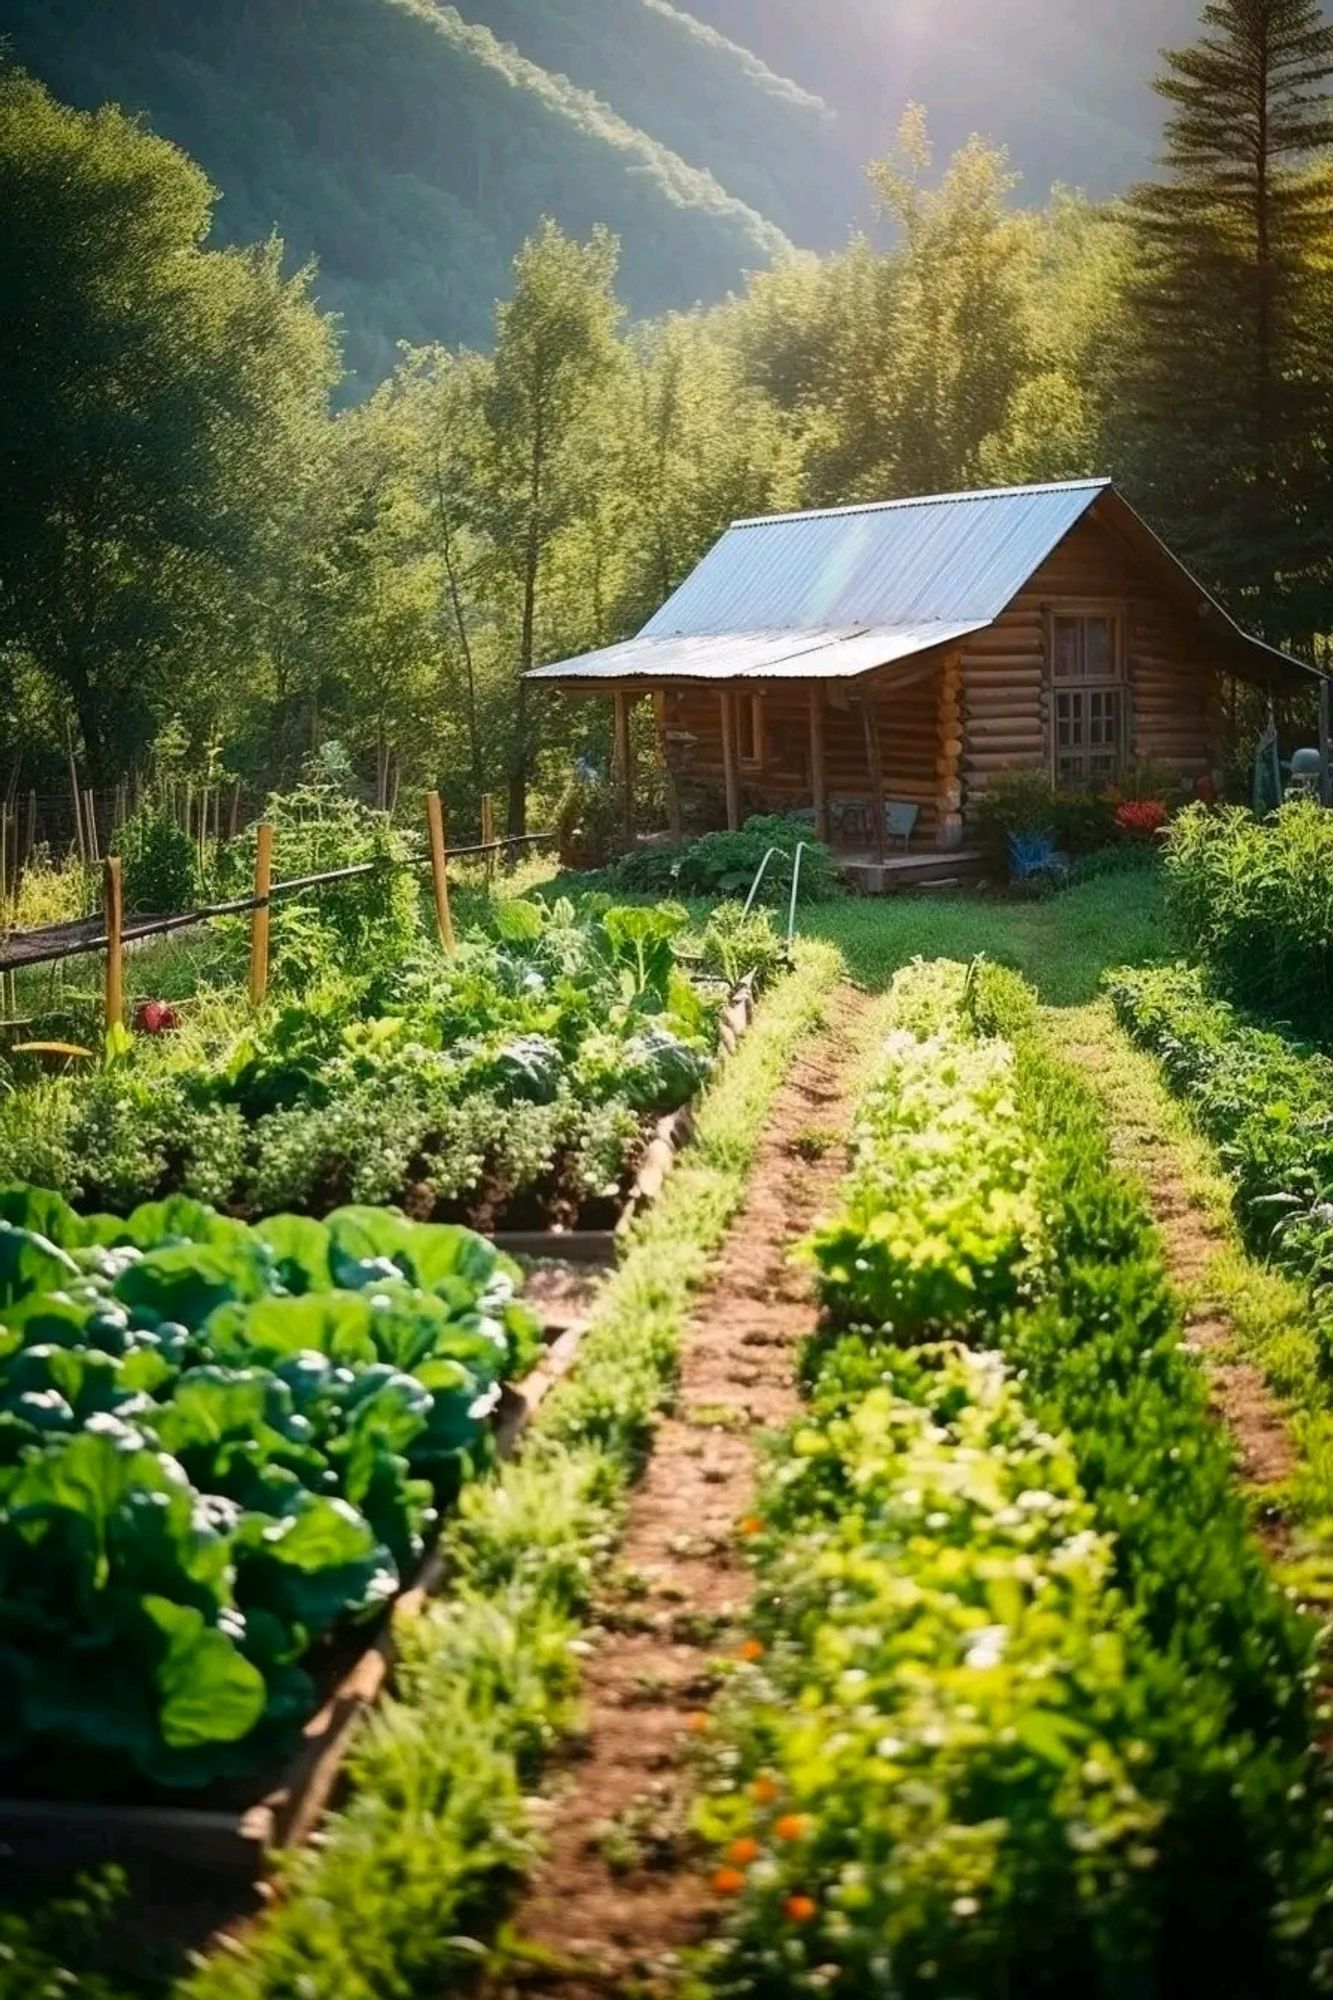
1140,818
156,1017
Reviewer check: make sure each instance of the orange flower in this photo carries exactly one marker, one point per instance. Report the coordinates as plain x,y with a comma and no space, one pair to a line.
698,1722
752,1649
751,1524
728,1882
792,1826
800,1909
765,1790
743,1851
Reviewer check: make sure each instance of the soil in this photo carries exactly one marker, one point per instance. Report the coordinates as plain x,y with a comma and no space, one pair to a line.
1241,1398
623,1889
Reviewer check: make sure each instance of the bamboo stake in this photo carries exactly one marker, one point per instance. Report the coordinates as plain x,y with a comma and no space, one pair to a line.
115,950
488,832
439,870
31,841
259,918
90,809
74,793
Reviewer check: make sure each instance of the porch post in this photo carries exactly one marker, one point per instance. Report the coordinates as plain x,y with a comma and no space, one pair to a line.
730,766
875,760
624,764
818,784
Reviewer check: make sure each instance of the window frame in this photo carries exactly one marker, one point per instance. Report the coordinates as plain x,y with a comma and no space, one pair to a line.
1115,681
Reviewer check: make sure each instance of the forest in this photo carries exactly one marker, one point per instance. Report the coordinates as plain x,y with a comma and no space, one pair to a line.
211,565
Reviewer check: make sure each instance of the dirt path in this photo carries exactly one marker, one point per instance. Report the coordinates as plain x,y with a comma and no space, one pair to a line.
1192,1236
621,1891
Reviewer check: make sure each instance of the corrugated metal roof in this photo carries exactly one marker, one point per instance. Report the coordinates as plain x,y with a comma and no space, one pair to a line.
956,558
707,656
833,594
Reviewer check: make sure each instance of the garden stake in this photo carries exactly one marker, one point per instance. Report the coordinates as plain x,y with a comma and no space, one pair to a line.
488,833
259,920
115,950
439,870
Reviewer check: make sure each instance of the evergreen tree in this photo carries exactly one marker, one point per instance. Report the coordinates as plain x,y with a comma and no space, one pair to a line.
1229,366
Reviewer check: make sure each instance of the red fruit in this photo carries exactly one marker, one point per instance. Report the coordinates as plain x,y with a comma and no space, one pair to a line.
156,1017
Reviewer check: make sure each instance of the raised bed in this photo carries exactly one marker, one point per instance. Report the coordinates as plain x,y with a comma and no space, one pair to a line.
599,1246
230,1844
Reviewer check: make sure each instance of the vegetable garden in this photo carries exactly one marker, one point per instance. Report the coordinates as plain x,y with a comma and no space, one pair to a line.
1023,1688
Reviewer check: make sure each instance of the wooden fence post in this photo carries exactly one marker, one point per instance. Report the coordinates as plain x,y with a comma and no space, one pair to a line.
1326,741
31,840
259,918
439,870
488,832
113,908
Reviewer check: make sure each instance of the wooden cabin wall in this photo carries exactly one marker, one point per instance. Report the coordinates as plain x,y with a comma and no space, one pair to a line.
1175,688
908,721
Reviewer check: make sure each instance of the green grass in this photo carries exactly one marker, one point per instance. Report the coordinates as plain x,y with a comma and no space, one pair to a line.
1062,944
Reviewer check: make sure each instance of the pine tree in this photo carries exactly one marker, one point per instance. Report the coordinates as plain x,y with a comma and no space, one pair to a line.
1229,373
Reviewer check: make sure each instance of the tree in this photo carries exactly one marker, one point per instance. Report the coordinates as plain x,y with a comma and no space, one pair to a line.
959,324
1228,369
158,406
556,347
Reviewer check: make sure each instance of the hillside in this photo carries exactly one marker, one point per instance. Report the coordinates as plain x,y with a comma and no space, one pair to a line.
404,148
410,145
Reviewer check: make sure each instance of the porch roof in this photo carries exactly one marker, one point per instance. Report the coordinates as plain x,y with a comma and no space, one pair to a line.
771,656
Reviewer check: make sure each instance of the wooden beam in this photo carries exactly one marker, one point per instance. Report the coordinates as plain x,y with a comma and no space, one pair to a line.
818,778
624,764
875,761
730,765
113,908
259,919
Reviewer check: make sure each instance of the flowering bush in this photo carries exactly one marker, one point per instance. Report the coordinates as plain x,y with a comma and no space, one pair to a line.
1140,818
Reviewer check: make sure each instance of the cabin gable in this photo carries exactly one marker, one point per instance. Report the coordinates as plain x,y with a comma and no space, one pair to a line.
1168,708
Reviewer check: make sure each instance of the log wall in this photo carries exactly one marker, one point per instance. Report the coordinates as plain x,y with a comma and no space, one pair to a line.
1174,684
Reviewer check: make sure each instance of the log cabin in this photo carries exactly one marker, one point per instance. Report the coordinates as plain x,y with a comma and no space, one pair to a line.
877,666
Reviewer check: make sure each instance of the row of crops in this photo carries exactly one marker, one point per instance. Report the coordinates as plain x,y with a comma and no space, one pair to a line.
1025,1710
507,1085
229,1427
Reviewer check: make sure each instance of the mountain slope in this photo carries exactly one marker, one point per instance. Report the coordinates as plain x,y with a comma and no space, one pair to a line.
403,147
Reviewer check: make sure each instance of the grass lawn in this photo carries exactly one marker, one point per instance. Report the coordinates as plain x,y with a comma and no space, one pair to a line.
1062,944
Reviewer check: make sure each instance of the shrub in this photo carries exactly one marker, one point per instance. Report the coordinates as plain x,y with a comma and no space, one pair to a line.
160,872
726,864
1252,900
1020,803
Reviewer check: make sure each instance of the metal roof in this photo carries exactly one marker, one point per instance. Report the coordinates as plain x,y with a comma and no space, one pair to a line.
832,594
707,656
958,558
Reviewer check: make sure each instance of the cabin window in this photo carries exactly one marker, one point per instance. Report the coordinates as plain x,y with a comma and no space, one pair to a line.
1088,697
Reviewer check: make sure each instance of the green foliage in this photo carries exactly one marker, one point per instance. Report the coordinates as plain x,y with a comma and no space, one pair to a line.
160,407
1029,802
52,1952
214,1445
1252,901
517,1078
736,947
1031,1709
1267,1101
938,1223
726,864
1231,285
407,1876
159,863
